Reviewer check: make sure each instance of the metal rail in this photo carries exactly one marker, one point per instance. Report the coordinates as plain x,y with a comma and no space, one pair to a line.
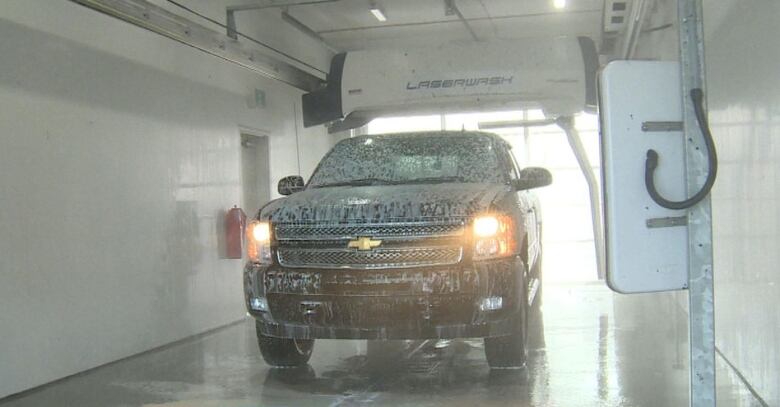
509,124
573,136
700,287
161,21
258,6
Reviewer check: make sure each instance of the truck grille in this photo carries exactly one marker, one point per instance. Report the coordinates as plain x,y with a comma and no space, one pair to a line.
402,245
373,259
330,232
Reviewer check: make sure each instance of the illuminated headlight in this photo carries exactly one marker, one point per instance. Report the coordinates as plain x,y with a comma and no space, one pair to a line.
259,242
491,304
258,304
486,226
494,236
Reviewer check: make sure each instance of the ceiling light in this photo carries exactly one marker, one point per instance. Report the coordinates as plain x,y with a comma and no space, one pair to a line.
559,4
378,12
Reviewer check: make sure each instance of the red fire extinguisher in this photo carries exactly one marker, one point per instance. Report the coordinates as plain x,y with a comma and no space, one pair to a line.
235,225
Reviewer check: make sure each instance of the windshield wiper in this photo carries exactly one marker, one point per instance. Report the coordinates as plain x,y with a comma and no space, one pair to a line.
434,180
359,182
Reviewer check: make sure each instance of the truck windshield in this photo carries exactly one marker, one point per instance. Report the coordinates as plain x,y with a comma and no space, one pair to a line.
396,159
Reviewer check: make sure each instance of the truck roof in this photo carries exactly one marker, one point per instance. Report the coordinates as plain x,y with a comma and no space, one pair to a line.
454,133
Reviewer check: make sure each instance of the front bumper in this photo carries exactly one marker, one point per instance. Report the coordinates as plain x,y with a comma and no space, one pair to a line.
423,303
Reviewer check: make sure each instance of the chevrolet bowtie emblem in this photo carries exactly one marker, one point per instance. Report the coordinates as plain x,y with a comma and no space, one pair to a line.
363,243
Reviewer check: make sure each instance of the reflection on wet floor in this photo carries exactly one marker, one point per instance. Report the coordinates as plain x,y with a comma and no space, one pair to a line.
589,348
414,372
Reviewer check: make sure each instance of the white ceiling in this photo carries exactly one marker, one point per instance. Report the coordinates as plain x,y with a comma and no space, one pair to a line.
348,24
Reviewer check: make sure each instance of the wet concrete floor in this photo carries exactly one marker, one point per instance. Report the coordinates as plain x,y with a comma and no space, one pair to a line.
589,347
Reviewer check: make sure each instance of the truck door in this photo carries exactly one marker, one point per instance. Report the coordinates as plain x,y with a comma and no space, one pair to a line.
526,209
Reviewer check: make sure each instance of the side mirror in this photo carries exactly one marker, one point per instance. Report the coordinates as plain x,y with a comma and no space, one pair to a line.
533,177
290,185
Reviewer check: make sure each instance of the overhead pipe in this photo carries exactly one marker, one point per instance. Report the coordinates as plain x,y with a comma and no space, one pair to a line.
161,21
634,29
449,21
277,4
305,29
511,124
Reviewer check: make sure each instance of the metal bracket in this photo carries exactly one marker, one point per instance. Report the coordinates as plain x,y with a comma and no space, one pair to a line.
449,7
662,126
656,223
232,29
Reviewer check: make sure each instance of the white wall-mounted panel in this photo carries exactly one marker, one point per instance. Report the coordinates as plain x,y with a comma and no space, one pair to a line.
641,255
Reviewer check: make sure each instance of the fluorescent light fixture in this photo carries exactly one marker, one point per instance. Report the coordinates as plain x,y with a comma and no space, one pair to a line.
559,4
378,12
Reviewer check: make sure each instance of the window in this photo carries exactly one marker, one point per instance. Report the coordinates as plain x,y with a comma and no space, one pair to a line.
415,158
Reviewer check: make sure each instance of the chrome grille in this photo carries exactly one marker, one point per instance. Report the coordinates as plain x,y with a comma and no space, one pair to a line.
385,230
370,259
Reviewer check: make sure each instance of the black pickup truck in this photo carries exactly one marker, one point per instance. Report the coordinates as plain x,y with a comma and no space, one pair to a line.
399,236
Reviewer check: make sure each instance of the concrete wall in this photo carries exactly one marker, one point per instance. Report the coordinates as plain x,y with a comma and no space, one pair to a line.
743,62
119,152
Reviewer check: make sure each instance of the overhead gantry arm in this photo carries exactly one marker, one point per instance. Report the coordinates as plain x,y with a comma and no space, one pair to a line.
252,55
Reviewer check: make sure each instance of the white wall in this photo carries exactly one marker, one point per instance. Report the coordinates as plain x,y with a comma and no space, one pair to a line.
743,62
743,67
119,152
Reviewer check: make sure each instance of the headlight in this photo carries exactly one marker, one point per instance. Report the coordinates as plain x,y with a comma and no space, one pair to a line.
494,236
486,226
259,242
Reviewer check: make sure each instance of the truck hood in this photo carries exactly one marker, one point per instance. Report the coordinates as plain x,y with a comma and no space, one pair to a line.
384,203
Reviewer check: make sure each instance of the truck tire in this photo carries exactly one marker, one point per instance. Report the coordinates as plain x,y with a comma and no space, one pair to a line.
509,352
284,352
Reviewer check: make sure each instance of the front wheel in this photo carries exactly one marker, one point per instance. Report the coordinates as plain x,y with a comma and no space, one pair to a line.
284,352
507,352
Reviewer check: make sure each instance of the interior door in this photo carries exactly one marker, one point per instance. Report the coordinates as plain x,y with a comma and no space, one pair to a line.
255,173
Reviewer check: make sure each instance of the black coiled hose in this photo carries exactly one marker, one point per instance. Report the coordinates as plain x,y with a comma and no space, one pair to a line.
697,96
